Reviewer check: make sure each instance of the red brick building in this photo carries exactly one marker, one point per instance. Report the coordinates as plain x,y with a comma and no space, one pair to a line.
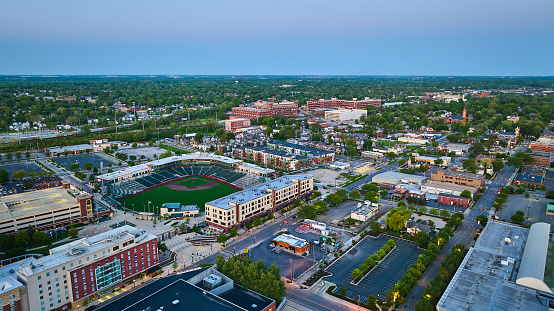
236,123
449,199
267,109
342,103
290,243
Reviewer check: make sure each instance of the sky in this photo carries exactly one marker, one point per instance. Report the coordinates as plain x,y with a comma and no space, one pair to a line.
285,37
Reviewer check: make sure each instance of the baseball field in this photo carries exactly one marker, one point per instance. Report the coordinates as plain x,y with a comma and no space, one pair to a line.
195,190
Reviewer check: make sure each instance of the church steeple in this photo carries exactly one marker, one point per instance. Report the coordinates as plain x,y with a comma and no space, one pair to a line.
464,113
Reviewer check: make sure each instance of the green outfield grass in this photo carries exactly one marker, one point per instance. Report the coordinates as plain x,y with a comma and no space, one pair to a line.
192,183
162,194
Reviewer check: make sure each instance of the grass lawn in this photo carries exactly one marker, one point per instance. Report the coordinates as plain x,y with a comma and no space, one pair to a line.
192,183
173,149
162,194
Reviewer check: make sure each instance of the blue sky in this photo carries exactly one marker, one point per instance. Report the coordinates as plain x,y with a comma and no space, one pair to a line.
357,37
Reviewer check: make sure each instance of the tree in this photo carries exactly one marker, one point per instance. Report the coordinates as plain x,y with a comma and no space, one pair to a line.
4,176
375,227
482,220
38,237
423,209
175,266
18,155
74,166
297,202
87,166
421,239
134,145
91,177
307,211
333,199
85,302
470,165
466,194
257,222
154,222
162,247
370,262
222,238
9,156
342,291
48,240
444,213
357,273
372,196
233,232
396,219
73,232
370,187
518,217
199,137
355,194
248,225
19,175
32,175
434,212
438,161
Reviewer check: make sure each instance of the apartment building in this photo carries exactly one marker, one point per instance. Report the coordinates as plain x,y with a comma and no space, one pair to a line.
345,114
267,109
238,208
542,159
317,156
45,209
459,178
273,158
343,104
87,268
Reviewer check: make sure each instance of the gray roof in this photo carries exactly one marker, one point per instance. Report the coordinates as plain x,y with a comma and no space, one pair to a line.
533,262
486,279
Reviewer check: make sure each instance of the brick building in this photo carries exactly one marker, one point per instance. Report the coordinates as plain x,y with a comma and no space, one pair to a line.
542,159
290,243
459,178
342,103
449,199
235,124
88,268
267,109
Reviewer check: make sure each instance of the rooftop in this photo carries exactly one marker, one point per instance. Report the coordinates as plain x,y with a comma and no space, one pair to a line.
257,191
396,177
83,247
27,203
191,297
291,240
448,186
486,279
529,177
462,174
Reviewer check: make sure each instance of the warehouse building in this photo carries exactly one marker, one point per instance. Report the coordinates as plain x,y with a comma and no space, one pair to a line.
436,187
392,179
505,270
459,178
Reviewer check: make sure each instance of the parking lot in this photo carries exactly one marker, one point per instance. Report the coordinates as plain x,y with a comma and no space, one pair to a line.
27,166
147,152
81,159
288,262
535,210
379,280
334,214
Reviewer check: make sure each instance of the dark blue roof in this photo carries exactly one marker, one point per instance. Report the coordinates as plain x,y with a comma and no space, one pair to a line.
528,177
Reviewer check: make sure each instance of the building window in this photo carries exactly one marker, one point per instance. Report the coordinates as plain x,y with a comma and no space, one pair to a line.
39,277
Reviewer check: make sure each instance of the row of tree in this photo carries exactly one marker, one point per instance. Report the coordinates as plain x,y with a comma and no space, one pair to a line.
373,260
254,276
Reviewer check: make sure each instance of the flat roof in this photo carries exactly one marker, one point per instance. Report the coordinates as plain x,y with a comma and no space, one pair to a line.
84,247
528,177
448,186
27,203
486,279
395,177
257,191
462,174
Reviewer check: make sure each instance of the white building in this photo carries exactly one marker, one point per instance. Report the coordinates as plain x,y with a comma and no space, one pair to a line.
364,212
345,114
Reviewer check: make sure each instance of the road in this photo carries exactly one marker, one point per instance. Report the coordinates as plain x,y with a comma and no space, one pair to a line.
312,300
463,235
